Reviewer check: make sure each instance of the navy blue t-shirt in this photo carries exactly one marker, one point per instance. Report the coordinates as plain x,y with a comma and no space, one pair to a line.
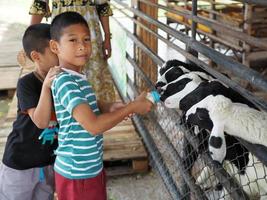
23,148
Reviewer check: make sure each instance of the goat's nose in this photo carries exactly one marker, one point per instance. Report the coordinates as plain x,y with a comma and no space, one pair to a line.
159,89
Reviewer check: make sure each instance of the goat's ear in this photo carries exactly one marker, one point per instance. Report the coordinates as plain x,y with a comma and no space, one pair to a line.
161,70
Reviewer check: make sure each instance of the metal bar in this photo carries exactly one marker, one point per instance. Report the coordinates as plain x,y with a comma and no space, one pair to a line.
164,172
176,157
154,153
194,24
193,29
229,182
140,72
198,192
194,53
221,173
257,150
238,69
257,2
226,180
229,30
258,102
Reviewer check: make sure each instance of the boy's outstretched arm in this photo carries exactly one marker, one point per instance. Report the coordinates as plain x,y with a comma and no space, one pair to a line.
110,107
41,114
101,123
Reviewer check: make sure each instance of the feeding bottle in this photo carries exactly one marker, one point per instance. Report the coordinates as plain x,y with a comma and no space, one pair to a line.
153,96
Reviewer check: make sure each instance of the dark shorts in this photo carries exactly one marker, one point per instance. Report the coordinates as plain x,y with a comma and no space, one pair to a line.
81,189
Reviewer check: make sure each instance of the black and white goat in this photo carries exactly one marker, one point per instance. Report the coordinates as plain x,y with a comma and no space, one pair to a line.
173,69
209,104
197,98
235,119
253,180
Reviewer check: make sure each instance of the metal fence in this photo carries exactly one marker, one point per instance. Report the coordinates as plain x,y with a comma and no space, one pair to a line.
179,153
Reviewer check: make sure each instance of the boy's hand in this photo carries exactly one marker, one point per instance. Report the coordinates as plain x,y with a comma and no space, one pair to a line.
118,105
53,71
143,105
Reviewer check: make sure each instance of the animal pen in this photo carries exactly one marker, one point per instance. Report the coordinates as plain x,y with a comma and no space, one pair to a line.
205,28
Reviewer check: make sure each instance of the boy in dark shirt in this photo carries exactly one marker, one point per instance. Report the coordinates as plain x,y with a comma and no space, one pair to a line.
27,172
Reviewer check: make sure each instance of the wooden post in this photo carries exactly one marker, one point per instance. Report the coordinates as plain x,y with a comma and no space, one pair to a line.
247,29
212,15
193,30
148,66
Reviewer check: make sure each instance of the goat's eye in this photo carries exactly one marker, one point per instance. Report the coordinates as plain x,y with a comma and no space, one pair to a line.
160,84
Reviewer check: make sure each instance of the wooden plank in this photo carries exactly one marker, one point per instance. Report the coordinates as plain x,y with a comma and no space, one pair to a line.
12,111
9,77
119,140
4,133
122,145
8,53
3,140
261,55
24,61
119,170
125,123
26,66
130,167
140,166
121,136
120,128
121,154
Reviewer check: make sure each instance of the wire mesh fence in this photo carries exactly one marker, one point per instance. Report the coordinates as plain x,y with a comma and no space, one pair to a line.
187,163
181,149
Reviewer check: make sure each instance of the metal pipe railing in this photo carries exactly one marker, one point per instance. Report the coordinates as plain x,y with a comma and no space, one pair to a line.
238,69
257,101
174,155
226,29
257,2
153,152
258,150
227,181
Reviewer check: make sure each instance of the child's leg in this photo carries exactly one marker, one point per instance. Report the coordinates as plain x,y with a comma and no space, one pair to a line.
17,184
45,190
81,189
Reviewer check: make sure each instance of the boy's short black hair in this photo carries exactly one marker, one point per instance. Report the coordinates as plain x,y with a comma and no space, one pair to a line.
36,38
64,20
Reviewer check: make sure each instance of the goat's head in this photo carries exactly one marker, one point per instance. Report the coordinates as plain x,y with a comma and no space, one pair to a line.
173,92
170,71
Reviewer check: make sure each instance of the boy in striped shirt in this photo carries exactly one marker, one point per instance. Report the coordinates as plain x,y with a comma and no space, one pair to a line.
82,119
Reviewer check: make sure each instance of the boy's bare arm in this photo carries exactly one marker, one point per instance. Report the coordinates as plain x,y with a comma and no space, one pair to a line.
110,107
42,113
106,44
101,123
36,19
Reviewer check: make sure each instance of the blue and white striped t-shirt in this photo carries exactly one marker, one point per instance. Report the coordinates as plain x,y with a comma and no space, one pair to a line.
79,153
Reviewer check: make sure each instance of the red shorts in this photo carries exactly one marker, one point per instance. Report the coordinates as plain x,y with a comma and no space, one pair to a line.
81,189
